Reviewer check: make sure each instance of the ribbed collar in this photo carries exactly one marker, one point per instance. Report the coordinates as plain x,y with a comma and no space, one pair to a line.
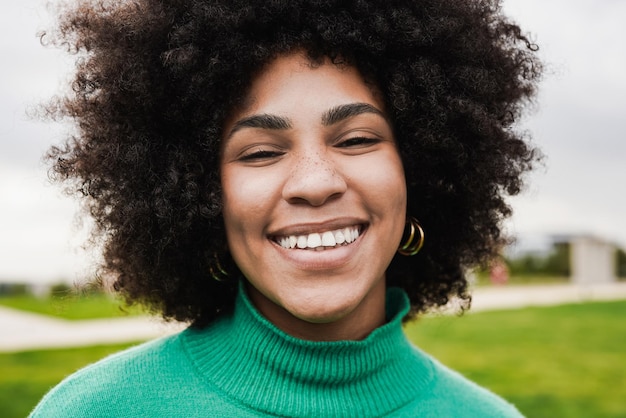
250,360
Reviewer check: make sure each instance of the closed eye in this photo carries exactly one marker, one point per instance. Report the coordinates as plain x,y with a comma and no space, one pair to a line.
358,142
260,155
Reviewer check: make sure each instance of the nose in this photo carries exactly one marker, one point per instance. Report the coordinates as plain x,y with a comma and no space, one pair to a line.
314,179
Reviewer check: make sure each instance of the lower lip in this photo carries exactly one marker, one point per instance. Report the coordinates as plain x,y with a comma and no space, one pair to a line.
321,260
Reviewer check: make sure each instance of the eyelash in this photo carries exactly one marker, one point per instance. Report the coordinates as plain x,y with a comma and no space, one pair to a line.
260,155
357,141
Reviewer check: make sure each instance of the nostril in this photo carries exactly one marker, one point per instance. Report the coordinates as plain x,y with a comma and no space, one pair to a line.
314,182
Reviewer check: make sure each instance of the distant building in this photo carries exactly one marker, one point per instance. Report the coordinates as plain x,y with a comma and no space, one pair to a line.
585,258
592,259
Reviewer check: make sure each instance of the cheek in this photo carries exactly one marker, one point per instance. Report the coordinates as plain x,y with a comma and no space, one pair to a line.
385,183
246,200
393,176
234,202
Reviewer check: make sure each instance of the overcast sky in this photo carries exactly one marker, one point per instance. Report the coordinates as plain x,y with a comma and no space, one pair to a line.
578,123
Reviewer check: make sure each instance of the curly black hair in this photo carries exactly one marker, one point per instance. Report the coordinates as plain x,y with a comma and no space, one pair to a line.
155,81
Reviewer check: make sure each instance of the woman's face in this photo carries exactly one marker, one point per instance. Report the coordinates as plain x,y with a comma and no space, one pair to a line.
314,194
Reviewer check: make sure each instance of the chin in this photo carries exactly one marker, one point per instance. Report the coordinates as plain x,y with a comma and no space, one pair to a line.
321,317
324,311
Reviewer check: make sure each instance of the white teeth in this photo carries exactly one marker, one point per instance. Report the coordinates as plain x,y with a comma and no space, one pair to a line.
320,241
314,241
340,238
347,232
328,239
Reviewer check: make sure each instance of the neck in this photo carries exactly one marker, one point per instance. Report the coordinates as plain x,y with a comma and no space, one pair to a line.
254,363
354,325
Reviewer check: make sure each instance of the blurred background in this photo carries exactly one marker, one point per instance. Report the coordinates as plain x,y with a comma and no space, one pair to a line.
578,122
570,222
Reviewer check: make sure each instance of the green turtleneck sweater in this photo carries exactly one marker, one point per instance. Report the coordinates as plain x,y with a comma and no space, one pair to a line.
243,366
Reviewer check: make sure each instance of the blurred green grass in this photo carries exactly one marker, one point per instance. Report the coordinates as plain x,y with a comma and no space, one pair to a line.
27,376
561,361
482,279
72,305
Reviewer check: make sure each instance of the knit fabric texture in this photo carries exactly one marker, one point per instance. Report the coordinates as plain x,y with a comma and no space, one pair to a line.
243,366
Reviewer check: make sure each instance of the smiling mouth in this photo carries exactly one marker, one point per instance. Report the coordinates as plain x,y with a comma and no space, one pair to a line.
319,241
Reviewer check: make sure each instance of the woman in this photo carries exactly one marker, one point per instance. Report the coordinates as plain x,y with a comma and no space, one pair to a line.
258,169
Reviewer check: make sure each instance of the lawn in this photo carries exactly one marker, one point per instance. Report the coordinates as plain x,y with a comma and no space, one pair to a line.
72,306
564,361
27,376
561,361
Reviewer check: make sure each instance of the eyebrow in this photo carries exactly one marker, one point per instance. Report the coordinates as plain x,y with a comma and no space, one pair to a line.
330,117
264,121
342,112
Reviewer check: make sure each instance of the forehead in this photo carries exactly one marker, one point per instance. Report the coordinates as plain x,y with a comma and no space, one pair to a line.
289,80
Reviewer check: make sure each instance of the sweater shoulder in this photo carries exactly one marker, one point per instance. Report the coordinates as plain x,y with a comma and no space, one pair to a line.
115,382
452,394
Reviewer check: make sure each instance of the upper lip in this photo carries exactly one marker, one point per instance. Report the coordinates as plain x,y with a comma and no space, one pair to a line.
313,227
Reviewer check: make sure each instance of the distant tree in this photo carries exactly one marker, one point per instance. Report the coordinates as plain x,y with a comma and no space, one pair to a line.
60,290
558,261
554,263
621,263
13,289
526,265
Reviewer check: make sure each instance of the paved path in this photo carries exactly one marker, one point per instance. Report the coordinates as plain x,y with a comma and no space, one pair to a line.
513,297
26,331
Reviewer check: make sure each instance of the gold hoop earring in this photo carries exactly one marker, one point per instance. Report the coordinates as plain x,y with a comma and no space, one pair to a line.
409,247
218,273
